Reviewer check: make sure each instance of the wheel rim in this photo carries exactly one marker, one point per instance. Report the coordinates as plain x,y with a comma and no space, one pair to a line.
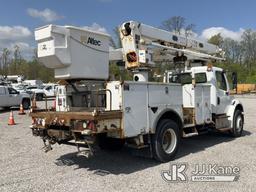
239,123
169,141
25,105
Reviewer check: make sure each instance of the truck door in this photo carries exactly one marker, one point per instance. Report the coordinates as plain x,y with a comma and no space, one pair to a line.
222,91
14,97
3,97
135,109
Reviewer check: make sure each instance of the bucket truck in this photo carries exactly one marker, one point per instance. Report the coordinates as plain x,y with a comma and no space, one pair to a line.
91,110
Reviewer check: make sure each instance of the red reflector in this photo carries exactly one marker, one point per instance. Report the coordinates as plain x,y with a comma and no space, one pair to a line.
131,57
91,126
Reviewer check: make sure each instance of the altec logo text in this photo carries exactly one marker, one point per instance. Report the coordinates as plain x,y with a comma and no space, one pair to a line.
93,41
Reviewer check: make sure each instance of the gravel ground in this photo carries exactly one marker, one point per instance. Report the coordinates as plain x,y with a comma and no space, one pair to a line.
25,167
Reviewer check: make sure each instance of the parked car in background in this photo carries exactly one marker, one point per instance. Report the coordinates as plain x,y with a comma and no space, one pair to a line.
37,91
50,90
33,82
21,88
9,97
41,91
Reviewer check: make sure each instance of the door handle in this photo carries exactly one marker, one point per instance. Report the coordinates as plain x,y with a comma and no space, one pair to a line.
218,100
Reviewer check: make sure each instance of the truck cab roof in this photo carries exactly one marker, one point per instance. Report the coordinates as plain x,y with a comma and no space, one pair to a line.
203,69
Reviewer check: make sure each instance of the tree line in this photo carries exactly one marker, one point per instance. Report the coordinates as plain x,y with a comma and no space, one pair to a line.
12,63
240,55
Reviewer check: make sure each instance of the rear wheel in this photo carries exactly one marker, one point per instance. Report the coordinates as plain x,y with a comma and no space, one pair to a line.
26,103
39,97
238,124
166,140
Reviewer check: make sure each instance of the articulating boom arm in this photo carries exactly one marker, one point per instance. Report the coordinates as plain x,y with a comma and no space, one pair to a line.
139,40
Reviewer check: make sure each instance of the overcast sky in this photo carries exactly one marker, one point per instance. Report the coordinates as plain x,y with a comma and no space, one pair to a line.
18,18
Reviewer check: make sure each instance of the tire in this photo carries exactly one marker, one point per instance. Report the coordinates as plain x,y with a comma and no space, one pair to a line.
107,143
26,103
238,124
165,141
39,97
6,108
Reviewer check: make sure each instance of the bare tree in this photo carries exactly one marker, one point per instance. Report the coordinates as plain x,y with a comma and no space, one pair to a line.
177,24
249,46
35,55
5,60
189,30
1,65
233,50
216,40
17,58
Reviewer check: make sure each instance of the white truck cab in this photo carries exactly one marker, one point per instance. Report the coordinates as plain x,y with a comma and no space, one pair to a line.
50,90
222,104
213,76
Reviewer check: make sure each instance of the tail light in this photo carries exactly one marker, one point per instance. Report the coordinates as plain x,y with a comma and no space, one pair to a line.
91,125
131,57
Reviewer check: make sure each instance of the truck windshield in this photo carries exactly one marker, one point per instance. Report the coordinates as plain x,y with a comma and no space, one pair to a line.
200,77
183,78
186,78
12,91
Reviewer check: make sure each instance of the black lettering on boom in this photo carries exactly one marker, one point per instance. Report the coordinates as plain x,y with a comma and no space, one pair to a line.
93,41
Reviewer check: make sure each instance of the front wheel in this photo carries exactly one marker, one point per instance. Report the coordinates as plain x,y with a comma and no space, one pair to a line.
165,141
238,124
